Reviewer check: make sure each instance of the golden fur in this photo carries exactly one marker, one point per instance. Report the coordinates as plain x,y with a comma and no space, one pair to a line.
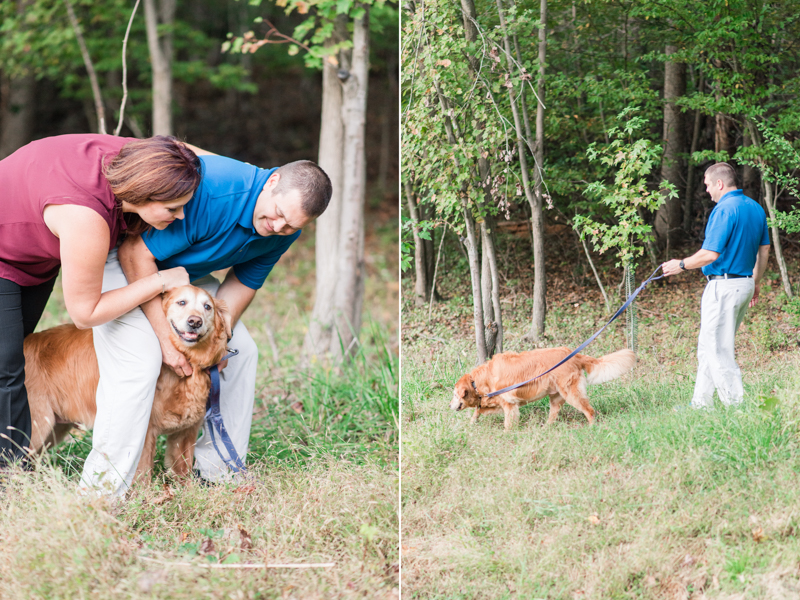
61,376
566,383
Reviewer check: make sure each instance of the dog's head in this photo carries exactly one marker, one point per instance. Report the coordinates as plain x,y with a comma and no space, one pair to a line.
464,394
196,320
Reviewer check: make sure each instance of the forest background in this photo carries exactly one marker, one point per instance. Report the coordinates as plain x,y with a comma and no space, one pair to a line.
553,155
246,80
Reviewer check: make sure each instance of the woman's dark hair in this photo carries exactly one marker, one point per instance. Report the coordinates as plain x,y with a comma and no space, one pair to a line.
156,169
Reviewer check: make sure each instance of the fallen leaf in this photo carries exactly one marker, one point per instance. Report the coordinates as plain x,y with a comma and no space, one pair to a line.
246,542
758,534
297,406
207,546
245,489
165,496
594,519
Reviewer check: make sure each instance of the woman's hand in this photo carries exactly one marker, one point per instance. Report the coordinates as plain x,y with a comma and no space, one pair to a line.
174,360
173,278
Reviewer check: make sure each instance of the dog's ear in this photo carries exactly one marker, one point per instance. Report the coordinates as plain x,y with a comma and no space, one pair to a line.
467,386
166,299
221,315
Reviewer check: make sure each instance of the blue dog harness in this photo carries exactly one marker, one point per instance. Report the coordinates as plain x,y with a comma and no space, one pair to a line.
214,420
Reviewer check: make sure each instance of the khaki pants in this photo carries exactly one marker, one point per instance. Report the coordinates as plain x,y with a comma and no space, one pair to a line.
129,359
722,310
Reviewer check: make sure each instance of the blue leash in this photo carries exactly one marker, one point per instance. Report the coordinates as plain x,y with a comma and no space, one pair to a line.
587,342
214,420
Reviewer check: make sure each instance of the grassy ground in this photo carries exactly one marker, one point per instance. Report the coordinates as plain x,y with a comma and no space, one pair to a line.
648,503
323,488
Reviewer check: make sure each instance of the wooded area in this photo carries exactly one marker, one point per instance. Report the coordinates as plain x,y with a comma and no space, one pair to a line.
602,115
242,79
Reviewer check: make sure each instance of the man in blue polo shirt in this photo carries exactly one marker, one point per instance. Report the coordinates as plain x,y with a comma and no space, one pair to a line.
241,217
733,258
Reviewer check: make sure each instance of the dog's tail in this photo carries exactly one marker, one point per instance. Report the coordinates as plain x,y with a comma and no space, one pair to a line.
608,367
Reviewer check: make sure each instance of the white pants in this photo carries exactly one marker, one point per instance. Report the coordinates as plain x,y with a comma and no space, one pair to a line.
722,310
129,359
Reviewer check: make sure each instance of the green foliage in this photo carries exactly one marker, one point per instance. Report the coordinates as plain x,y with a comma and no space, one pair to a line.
316,34
40,41
632,160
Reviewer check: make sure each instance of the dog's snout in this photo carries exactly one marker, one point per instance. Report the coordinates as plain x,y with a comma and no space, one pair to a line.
194,322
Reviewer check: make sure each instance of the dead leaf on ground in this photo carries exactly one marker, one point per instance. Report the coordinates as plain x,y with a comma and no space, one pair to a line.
245,490
165,496
246,542
207,546
758,534
297,406
594,519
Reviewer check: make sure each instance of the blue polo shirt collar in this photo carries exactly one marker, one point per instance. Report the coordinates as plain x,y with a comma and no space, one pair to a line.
730,195
246,218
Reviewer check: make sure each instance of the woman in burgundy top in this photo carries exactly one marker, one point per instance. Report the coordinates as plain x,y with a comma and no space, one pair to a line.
64,203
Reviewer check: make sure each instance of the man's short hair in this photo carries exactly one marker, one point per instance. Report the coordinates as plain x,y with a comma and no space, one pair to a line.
722,171
311,181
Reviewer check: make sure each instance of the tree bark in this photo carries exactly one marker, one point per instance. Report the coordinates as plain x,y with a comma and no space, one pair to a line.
537,219
668,216
493,319
421,284
769,200
336,318
692,169
750,183
99,107
475,276
161,59
535,201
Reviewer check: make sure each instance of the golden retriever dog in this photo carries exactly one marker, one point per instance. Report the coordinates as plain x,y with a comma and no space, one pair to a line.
567,383
61,376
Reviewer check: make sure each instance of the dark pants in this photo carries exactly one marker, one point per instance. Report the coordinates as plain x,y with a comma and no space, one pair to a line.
20,310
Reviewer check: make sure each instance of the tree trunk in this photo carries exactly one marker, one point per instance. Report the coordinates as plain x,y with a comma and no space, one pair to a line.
427,213
534,200
537,219
336,319
16,117
668,216
421,283
769,200
475,276
99,107
161,58
750,182
723,140
493,319
692,169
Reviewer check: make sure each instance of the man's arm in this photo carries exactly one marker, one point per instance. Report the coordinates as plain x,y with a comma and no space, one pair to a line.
699,259
237,296
758,270
199,151
138,262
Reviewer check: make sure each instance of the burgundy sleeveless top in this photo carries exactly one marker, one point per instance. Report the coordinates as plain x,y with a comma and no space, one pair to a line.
66,169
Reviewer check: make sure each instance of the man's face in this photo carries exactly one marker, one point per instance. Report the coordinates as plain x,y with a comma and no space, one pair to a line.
714,189
278,214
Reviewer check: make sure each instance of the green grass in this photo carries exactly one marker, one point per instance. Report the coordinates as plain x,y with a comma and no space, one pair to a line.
648,503
323,483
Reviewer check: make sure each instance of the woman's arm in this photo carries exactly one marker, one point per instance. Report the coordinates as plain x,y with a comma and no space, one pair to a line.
84,240
139,264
